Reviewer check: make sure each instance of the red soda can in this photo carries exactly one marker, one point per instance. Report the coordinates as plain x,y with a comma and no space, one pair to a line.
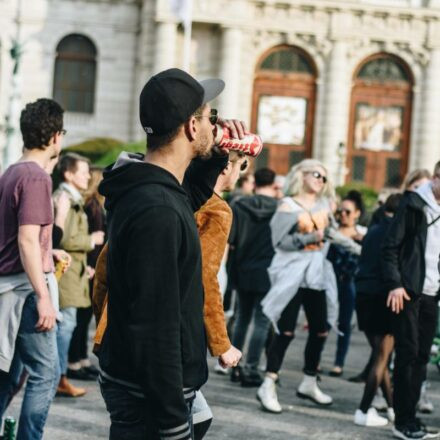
251,144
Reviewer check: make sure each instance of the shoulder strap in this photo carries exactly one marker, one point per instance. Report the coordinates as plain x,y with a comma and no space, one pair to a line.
308,212
434,221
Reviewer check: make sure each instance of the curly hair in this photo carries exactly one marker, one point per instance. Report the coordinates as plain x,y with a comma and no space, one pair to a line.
39,121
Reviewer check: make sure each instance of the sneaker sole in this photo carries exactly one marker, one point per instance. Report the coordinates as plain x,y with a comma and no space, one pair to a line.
401,435
431,435
305,396
371,426
267,409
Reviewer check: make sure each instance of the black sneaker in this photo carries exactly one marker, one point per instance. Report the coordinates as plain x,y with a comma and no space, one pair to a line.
250,379
359,378
428,432
80,374
408,432
92,370
236,374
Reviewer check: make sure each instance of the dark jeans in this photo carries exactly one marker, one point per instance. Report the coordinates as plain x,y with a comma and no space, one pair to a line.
249,304
131,417
347,303
315,307
80,336
414,329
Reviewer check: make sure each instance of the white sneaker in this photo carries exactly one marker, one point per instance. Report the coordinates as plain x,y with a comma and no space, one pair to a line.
308,389
379,403
370,418
391,415
267,395
221,370
424,405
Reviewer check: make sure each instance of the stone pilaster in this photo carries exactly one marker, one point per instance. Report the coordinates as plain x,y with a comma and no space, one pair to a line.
425,144
165,51
334,114
230,71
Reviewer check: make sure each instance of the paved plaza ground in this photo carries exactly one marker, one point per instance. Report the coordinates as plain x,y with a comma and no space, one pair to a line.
237,414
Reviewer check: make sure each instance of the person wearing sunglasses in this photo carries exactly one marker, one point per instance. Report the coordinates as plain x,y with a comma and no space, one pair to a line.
345,265
300,276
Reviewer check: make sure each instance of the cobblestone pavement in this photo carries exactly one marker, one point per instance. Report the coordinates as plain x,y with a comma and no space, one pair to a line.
237,414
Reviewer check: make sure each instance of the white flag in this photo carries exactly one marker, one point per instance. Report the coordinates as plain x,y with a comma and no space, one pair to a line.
183,10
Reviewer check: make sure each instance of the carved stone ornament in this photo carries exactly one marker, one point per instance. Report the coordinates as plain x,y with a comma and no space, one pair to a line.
315,45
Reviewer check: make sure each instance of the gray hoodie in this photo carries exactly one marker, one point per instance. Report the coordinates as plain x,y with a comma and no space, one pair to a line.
431,285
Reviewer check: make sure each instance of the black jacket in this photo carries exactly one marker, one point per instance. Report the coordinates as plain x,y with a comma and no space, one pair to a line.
251,242
403,251
369,277
155,336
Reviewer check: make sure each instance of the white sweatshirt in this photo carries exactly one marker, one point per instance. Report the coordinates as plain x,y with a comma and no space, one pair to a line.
431,285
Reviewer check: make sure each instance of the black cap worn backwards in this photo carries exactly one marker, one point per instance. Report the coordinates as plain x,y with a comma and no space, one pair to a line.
169,98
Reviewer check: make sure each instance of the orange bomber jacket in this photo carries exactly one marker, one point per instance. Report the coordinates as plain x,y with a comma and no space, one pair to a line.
214,221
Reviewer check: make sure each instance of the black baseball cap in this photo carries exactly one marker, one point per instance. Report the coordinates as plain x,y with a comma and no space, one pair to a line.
169,98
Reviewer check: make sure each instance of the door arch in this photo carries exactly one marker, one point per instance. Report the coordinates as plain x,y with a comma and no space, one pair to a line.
380,120
284,106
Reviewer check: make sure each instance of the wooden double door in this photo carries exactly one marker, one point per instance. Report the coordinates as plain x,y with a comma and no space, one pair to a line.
282,114
379,134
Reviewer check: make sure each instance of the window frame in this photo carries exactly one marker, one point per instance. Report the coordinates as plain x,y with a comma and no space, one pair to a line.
65,88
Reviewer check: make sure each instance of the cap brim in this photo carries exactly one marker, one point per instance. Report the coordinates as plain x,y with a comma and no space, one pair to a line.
212,87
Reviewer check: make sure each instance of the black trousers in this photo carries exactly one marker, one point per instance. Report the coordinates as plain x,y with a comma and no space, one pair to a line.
414,330
132,418
80,336
315,307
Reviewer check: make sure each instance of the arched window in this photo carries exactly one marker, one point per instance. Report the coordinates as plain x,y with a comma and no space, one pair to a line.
383,69
75,74
287,59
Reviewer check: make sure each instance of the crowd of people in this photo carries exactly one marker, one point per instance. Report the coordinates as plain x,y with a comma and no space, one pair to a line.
172,269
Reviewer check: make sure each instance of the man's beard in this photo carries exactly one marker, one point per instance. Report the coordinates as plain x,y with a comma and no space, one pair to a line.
203,146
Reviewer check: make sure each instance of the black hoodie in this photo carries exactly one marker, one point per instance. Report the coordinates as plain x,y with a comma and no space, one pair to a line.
155,336
251,242
403,251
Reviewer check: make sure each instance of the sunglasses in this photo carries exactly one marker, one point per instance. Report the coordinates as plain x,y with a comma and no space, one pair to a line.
213,116
344,211
318,175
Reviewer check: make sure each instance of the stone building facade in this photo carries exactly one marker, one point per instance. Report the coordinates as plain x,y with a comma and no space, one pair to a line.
352,83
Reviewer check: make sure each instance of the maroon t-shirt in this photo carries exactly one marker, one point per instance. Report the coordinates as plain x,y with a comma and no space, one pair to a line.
25,199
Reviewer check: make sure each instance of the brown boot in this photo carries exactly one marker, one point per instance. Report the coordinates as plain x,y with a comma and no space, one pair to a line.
66,389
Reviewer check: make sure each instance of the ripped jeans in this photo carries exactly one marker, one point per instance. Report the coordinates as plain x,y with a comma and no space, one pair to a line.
315,308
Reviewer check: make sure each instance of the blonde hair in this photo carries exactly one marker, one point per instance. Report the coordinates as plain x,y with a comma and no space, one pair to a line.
415,175
92,189
294,184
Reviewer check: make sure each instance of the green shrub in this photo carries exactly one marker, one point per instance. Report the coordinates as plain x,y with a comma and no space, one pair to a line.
95,148
369,196
104,151
112,155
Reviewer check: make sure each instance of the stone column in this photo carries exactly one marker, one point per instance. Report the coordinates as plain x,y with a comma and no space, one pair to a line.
433,4
426,143
165,51
334,114
231,43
